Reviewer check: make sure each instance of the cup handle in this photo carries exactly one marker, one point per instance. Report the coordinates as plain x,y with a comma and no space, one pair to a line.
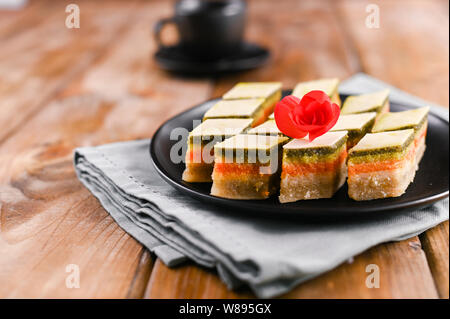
158,28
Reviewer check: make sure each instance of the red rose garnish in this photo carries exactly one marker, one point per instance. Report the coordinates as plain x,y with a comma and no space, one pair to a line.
314,114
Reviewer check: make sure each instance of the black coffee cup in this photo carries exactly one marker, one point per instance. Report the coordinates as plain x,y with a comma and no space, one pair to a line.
208,29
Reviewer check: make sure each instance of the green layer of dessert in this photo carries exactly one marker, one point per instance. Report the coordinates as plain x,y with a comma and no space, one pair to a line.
303,150
382,146
392,121
379,156
313,157
371,102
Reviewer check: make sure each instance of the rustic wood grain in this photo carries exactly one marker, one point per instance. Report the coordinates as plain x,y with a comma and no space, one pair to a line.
188,281
48,219
410,50
42,59
396,262
141,277
13,22
404,273
435,245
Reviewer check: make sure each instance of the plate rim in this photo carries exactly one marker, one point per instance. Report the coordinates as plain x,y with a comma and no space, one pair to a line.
307,212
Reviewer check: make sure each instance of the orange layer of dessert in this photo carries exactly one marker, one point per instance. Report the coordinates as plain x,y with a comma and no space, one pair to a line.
367,167
295,169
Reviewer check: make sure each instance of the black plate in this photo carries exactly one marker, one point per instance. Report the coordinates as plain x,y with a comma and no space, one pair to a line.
175,60
430,183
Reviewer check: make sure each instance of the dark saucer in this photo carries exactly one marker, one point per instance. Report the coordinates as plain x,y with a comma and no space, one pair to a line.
173,59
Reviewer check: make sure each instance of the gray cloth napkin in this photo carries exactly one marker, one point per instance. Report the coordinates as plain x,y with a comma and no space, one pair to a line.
270,256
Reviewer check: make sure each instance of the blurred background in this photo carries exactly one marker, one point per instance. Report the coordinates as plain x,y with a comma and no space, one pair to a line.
108,56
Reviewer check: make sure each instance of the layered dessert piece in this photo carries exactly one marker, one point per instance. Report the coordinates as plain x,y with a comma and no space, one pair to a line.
356,125
269,91
416,119
267,128
329,86
200,151
247,166
312,170
255,109
371,102
381,165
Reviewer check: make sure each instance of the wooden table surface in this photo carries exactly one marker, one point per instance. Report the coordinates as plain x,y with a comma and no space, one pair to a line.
61,88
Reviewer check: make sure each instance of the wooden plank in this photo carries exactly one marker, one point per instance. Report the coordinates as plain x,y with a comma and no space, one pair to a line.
141,277
34,65
188,281
48,219
435,245
45,230
403,270
296,57
396,261
10,18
